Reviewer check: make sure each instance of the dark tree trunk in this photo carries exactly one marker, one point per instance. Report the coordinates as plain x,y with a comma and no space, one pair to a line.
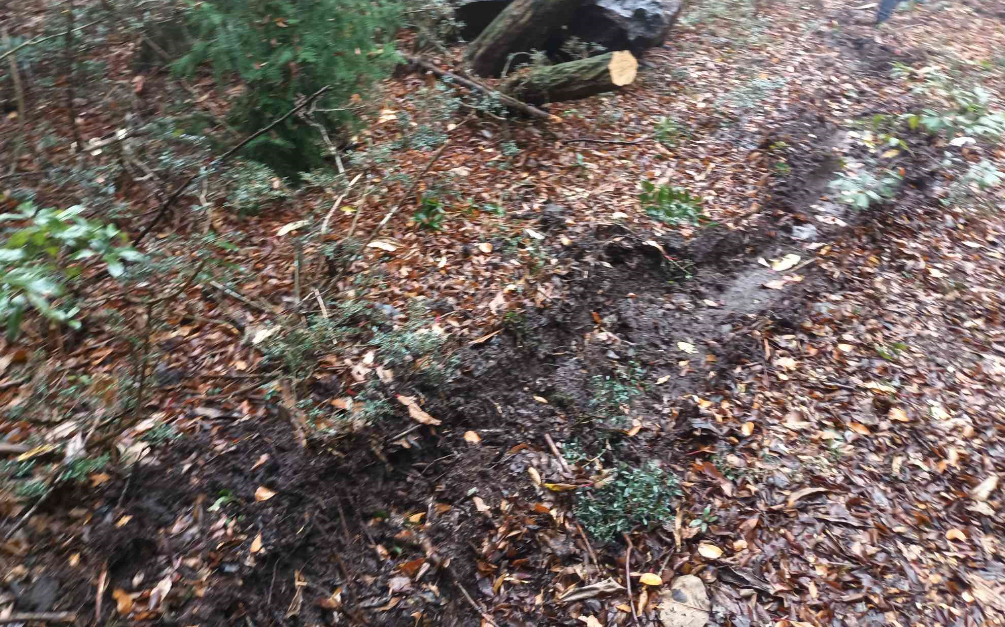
523,25
574,80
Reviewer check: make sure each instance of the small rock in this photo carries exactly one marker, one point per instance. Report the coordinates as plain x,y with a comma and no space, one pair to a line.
804,232
613,355
685,604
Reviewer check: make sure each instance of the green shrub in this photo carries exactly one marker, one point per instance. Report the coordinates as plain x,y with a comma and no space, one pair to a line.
39,259
864,188
669,132
632,497
430,214
286,49
670,204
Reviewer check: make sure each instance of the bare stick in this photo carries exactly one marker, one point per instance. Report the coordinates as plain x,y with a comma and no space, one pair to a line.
408,194
39,617
68,50
589,547
162,211
473,85
554,451
628,577
247,301
590,140
22,110
13,449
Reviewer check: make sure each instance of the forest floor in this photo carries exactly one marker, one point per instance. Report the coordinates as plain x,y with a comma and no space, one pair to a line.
822,380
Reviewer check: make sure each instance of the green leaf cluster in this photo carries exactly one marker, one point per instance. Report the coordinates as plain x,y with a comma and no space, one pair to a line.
671,204
283,50
631,498
41,256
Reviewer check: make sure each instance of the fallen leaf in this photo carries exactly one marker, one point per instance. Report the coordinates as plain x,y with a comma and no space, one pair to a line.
123,601
747,429
775,285
899,415
687,347
292,226
485,247
263,494
123,522
986,487
415,412
709,551
662,380
859,428
799,494
560,487
472,438
535,476
956,534
382,245
651,579
685,604
480,504
256,544
785,263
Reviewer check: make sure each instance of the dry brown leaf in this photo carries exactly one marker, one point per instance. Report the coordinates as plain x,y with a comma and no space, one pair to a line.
651,579
415,412
859,428
799,494
956,534
472,438
785,263
263,494
747,429
709,551
480,504
123,601
256,544
899,415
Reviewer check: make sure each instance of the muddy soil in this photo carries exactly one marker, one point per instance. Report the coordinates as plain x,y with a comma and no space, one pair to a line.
352,524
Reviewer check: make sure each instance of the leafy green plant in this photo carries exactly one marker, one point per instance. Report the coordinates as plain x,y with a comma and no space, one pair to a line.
283,50
668,132
863,188
610,394
630,498
430,214
39,258
704,520
671,204
251,185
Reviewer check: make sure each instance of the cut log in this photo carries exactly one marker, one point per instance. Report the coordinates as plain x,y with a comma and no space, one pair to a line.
574,80
473,85
522,26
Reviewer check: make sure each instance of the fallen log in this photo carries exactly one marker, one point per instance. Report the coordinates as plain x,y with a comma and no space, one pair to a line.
574,80
522,26
473,85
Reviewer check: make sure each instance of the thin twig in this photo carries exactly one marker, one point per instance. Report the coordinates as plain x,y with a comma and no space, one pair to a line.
34,42
474,85
31,512
605,141
71,108
244,299
22,110
628,577
39,617
589,547
162,211
408,194
554,451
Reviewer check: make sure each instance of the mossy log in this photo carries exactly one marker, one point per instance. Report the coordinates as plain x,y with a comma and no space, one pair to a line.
574,80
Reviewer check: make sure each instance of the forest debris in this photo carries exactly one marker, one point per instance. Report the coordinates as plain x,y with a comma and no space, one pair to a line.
607,586
263,494
415,412
685,604
986,487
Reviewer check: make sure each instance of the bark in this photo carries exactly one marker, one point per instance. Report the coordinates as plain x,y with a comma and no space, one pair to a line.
476,86
574,80
523,25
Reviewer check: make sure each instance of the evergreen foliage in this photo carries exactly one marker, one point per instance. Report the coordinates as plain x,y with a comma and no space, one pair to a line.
285,49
